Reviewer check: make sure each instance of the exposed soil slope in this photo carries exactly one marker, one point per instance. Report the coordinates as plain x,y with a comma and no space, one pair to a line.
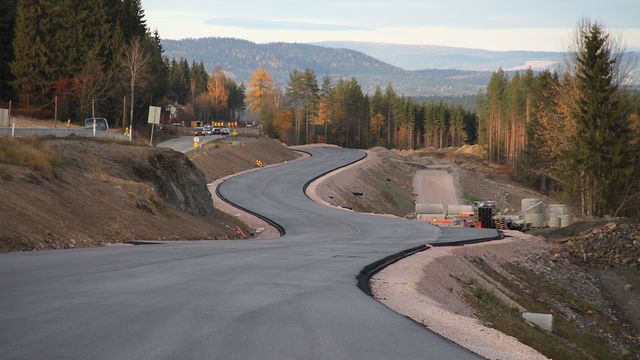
232,155
382,184
89,193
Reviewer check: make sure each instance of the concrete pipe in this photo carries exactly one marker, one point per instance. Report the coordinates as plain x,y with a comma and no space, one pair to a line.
429,208
536,220
531,206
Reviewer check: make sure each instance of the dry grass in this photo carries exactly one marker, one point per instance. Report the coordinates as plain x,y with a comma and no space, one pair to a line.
31,152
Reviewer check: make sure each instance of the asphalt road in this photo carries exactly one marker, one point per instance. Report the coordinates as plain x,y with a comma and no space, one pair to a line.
184,144
290,298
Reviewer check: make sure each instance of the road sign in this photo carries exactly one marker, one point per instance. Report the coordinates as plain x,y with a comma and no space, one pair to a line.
4,117
154,114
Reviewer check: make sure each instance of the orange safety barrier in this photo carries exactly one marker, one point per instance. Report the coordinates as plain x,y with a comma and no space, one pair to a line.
442,221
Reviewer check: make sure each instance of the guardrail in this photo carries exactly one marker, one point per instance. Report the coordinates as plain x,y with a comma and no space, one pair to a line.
64,132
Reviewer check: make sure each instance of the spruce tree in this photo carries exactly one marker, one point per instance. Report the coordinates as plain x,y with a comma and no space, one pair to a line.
600,154
7,26
132,20
31,66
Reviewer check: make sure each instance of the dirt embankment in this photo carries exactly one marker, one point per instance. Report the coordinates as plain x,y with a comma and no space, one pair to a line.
381,184
474,295
62,193
225,157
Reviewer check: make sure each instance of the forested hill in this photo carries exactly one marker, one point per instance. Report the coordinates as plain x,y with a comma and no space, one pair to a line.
240,58
416,57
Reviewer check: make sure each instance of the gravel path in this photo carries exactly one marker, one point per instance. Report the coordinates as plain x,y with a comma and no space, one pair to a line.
435,186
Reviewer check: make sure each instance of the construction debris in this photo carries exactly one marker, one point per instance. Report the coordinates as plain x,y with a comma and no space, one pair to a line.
612,245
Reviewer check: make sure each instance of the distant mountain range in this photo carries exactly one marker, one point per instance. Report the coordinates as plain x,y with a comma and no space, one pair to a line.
413,70
240,58
417,57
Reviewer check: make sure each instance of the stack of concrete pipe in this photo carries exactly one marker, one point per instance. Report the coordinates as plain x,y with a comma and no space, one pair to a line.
455,210
559,215
533,212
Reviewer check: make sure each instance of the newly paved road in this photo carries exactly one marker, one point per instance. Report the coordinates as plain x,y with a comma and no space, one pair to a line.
184,144
289,298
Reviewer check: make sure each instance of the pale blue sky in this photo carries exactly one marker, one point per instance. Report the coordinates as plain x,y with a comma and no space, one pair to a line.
488,24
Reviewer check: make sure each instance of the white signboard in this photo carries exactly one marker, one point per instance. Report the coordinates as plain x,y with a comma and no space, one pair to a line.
4,117
154,115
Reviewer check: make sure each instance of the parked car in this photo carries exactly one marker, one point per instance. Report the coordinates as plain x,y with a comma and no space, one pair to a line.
199,132
225,131
101,124
216,131
208,129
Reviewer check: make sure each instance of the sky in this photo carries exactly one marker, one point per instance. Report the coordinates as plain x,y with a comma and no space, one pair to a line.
536,25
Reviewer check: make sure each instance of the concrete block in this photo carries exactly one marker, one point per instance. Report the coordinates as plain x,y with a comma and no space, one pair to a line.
543,321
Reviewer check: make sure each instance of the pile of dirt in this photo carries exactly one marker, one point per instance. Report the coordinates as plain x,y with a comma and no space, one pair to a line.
472,150
613,245
220,158
97,192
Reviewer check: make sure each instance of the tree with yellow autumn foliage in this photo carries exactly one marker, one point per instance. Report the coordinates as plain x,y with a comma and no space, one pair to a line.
217,91
260,96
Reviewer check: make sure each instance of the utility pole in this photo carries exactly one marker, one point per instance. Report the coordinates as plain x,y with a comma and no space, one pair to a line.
55,112
131,114
93,115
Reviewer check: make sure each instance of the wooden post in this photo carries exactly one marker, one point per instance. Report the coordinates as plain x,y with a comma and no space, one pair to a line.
124,110
13,125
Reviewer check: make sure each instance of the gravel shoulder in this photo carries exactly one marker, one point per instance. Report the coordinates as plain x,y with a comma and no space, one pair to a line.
425,287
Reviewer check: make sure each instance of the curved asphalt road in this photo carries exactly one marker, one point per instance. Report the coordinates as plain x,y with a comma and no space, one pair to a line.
184,144
288,298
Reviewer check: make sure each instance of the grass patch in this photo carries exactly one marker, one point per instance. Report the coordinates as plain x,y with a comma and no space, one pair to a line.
509,321
30,152
5,176
470,198
537,294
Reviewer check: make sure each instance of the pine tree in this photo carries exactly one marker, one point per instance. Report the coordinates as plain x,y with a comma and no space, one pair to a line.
326,109
390,98
458,134
311,99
